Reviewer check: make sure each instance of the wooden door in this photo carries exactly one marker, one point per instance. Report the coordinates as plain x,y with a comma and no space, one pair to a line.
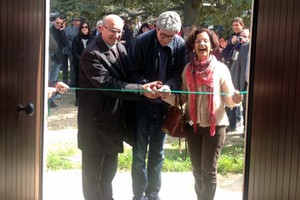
22,39
273,139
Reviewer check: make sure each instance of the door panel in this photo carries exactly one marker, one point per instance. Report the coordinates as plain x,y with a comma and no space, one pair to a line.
22,39
273,141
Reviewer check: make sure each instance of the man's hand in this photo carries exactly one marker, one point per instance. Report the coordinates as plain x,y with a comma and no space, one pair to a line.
61,87
51,91
150,89
164,91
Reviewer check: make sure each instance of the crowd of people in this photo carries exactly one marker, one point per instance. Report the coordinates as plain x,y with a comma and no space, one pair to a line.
142,70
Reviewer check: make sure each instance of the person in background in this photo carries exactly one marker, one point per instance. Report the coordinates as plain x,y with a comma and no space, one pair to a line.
128,34
206,118
144,28
57,31
80,42
100,116
97,30
233,41
158,54
58,87
241,70
71,32
230,55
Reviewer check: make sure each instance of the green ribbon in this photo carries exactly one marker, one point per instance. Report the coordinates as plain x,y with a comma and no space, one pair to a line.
172,91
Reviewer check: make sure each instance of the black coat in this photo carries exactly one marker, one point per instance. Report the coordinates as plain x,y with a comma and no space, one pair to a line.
100,116
62,42
143,58
77,48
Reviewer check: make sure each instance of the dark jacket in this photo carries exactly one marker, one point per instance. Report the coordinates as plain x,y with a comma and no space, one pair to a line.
239,72
62,42
143,58
77,47
100,116
227,51
127,36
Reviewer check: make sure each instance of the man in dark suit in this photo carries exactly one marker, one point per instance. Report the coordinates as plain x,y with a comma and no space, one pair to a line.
97,29
159,54
57,31
99,109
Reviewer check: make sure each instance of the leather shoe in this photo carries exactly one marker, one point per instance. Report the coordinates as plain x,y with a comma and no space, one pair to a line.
52,105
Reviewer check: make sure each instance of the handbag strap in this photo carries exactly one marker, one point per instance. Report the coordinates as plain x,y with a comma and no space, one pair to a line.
183,154
180,101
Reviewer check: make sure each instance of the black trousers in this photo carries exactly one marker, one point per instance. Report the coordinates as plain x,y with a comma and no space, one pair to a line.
204,152
98,172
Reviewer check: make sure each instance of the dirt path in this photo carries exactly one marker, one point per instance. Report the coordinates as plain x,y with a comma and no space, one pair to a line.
65,115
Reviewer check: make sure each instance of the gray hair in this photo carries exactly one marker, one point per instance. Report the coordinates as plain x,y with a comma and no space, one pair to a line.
99,23
169,21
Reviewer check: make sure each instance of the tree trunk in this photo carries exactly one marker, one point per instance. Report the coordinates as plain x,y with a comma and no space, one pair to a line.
192,9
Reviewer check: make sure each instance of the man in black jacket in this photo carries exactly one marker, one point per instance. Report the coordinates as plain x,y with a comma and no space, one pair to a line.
99,108
158,54
57,30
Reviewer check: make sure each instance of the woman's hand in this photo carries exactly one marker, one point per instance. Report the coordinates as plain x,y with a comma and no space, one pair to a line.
235,39
237,97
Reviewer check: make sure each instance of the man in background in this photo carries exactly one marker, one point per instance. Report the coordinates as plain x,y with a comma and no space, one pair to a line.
57,31
71,32
97,30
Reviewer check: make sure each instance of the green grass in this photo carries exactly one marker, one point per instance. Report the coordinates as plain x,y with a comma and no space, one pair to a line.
65,155
231,159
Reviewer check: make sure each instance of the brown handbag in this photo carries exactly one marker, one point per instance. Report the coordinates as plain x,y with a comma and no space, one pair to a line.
174,123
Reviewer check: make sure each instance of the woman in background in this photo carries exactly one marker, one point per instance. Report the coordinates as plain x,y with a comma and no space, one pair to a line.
80,42
144,28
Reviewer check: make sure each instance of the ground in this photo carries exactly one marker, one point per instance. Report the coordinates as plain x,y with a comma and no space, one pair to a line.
65,115
61,185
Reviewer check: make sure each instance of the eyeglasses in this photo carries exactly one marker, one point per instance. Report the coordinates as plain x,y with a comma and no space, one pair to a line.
165,36
115,31
85,27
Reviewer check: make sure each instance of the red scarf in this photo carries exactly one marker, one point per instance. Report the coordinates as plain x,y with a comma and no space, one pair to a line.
198,74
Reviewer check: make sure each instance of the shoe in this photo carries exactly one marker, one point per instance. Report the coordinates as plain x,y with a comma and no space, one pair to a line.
153,196
57,96
240,129
141,198
229,129
52,105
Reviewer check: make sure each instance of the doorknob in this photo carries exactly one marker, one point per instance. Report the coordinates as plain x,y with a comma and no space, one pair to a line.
29,109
